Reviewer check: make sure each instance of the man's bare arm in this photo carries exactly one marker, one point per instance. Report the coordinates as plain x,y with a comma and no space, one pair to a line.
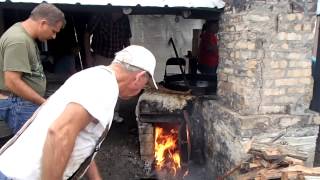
13,81
61,139
93,171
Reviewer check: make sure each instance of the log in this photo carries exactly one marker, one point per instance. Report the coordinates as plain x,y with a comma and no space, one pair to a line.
250,175
289,175
271,151
275,161
270,174
170,91
293,161
228,173
303,169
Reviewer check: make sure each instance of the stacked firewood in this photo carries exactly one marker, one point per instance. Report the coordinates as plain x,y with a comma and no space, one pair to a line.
274,161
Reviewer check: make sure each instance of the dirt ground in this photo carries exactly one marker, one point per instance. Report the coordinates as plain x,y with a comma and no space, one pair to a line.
119,157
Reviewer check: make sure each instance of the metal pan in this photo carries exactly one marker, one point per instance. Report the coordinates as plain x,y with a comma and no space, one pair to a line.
199,84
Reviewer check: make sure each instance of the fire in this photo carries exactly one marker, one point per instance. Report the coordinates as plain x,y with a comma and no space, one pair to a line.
167,154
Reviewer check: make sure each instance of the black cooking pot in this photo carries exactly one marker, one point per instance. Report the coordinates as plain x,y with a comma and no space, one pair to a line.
199,84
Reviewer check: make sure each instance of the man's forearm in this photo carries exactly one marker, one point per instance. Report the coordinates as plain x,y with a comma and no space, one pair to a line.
21,89
93,171
56,154
61,139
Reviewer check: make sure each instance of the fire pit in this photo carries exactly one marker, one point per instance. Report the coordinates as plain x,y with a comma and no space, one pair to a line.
169,160
164,132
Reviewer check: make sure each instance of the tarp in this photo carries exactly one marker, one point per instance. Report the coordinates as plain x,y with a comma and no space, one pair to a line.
318,7
144,3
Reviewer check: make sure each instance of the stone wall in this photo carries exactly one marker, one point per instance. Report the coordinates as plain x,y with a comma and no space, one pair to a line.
226,133
264,81
146,140
265,52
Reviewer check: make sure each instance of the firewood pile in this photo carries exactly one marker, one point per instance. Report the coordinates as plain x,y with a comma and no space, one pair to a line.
274,161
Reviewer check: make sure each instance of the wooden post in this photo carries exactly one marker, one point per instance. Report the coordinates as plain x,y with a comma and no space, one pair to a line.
196,42
193,57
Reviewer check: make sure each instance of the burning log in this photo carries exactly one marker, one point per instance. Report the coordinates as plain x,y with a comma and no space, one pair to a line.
164,114
167,158
273,161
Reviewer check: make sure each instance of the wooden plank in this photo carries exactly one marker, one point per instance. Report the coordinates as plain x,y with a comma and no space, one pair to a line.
250,175
170,91
284,176
271,151
293,161
228,173
303,169
312,177
270,173
195,42
289,175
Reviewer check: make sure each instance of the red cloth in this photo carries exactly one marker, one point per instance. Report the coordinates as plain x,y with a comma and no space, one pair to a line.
206,56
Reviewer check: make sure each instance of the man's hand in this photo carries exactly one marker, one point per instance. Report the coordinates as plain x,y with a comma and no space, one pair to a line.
13,81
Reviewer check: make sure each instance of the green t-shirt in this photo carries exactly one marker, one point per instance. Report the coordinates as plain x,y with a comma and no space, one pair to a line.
19,52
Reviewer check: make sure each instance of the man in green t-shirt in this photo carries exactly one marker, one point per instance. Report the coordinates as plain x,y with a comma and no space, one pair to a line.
22,80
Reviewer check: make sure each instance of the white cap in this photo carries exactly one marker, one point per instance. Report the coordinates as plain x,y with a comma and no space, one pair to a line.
140,57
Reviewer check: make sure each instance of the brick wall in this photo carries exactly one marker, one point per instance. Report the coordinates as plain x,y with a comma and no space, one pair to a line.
264,82
265,65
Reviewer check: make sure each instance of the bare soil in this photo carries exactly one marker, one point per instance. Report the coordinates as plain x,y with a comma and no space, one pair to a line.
119,157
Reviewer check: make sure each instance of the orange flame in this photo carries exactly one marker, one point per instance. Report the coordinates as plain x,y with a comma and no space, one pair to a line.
167,155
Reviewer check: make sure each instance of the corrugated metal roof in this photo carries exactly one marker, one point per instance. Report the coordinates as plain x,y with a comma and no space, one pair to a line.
144,3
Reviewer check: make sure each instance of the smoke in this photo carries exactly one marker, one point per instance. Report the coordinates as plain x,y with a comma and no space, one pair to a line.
196,172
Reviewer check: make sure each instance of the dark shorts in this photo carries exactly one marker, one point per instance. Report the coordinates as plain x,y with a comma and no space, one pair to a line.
15,111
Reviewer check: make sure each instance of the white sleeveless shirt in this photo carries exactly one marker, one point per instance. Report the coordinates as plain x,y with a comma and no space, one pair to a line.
95,89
